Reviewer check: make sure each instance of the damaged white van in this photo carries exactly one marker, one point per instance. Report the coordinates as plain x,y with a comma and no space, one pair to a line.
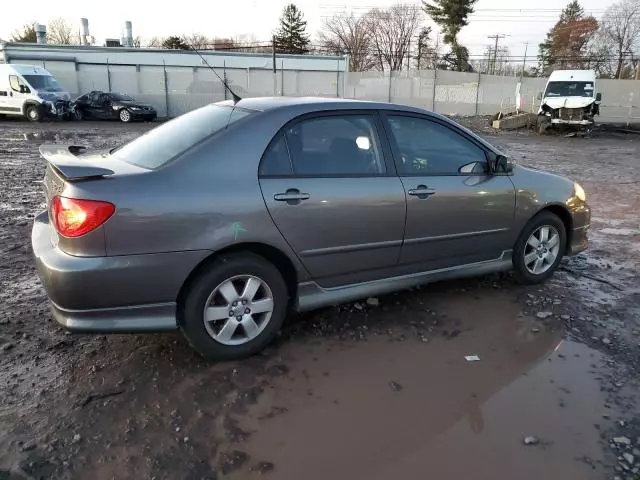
30,91
569,99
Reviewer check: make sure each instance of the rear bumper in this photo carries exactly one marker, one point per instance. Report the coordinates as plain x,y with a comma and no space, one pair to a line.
111,294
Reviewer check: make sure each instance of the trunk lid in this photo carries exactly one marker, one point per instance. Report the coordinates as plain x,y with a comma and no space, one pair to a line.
65,160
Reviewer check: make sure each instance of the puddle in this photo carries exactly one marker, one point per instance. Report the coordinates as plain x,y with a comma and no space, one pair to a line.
386,409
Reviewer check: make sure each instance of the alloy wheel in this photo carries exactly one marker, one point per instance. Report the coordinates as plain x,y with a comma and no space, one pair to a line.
238,310
542,249
125,116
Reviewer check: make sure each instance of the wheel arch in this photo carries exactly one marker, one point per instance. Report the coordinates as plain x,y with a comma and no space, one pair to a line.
562,212
267,252
30,103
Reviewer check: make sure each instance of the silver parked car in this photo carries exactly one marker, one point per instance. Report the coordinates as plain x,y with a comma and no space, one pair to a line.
219,221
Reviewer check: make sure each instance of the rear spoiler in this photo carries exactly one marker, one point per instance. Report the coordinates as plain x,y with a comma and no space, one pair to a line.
64,159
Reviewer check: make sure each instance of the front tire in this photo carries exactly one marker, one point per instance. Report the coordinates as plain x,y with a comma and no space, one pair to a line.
539,248
125,115
33,113
234,308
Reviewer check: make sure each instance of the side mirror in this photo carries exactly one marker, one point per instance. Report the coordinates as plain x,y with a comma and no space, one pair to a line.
24,89
539,96
501,164
598,97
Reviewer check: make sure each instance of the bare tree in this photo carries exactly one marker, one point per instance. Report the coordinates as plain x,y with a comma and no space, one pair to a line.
220,43
60,32
392,30
197,40
351,35
496,63
620,29
155,42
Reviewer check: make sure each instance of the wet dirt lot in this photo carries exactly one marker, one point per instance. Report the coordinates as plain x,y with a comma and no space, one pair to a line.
376,389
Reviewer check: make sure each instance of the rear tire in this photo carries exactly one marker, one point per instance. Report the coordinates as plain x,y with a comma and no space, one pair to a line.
125,115
211,292
33,113
539,248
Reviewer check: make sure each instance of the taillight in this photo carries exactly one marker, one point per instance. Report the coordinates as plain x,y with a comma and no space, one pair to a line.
73,217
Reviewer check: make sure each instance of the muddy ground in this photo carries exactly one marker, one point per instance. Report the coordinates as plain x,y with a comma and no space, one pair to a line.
376,390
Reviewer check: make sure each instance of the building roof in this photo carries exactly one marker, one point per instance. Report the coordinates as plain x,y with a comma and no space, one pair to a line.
24,52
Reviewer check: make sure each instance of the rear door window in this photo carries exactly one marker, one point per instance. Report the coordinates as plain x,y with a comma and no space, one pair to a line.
335,145
163,143
275,161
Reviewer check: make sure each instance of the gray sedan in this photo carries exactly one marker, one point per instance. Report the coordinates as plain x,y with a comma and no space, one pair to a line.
218,222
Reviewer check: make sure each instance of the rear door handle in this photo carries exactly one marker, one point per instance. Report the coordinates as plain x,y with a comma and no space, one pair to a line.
292,196
422,192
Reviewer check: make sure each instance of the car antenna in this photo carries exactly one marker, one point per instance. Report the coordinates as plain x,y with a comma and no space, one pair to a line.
236,98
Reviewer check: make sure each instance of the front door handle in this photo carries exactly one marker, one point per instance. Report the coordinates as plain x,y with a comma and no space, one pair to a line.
422,192
292,196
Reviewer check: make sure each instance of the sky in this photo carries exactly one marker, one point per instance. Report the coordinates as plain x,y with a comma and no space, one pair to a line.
520,20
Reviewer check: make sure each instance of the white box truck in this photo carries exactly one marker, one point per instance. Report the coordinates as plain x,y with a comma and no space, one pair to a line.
570,99
31,92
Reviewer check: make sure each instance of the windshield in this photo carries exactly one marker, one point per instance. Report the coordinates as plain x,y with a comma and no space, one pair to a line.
569,89
43,83
121,97
158,146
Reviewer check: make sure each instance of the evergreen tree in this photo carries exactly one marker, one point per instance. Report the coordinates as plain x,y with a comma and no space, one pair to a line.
451,16
291,36
175,43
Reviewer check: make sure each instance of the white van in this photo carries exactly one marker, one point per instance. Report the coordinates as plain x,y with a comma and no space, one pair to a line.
570,98
30,91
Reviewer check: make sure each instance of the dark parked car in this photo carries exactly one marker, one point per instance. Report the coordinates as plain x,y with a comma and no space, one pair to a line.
112,106
219,221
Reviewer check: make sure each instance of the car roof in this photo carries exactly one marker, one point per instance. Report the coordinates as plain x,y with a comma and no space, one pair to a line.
304,105
317,104
573,75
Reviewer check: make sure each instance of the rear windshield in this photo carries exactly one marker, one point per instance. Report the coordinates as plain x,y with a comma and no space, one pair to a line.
158,146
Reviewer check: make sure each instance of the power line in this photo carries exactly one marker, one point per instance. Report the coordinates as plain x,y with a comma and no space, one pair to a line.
514,10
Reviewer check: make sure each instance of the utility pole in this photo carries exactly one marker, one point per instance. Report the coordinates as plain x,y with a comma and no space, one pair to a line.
275,77
524,61
497,37
273,49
